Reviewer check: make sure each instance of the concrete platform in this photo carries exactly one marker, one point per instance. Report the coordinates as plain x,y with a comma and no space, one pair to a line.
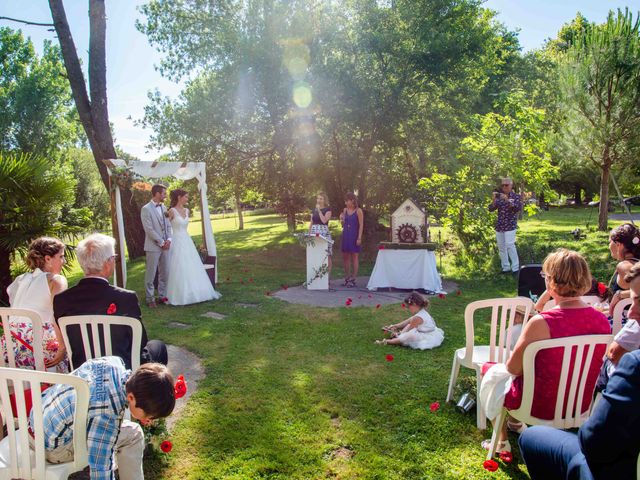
338,294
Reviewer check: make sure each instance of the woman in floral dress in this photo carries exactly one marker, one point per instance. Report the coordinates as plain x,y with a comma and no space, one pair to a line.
35,290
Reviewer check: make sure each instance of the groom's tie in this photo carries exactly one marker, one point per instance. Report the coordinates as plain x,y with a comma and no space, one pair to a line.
164,222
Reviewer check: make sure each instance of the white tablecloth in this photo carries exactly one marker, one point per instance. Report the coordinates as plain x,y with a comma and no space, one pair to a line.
405,269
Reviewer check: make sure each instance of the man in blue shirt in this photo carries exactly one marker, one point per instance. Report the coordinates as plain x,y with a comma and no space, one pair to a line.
508,203
148,393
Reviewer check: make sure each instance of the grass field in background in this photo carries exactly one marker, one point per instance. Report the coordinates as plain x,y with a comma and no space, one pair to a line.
296,392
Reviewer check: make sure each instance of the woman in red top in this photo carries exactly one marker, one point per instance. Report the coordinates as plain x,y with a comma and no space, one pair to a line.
567,278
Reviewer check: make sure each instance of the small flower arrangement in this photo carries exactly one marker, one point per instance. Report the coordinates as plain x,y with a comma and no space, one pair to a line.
124,178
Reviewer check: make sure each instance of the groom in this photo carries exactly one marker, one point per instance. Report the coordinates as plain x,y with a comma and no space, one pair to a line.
157,241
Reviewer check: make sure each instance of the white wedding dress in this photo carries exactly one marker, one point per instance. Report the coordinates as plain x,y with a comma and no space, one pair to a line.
188,281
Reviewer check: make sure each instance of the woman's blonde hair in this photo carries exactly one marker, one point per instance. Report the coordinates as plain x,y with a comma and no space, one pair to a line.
567,273
325,196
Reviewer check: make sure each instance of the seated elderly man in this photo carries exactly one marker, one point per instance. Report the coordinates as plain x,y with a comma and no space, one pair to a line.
607,444
93,295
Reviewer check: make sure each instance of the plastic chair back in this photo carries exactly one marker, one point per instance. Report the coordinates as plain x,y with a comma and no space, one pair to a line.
94,326
617,314
573,416
17,460
12,343
503,312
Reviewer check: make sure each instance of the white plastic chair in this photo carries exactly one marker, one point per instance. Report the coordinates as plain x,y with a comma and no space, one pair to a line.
503,311
573,417
12,343
588,299
96,324
17,460
617,314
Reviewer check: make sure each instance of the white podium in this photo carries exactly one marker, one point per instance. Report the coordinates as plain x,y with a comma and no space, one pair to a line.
317,262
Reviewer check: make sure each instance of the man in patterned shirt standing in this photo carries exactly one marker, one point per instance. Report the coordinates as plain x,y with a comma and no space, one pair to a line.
148,393
508,203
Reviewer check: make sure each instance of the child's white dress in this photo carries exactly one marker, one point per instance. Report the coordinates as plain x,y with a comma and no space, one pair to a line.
425,336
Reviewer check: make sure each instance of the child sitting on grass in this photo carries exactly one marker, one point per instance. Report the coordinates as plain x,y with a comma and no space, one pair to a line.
148,393
418,331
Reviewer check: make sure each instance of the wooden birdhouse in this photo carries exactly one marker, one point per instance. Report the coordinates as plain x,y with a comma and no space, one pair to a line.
408,224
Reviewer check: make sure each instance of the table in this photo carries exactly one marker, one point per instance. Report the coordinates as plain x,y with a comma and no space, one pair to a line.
405,269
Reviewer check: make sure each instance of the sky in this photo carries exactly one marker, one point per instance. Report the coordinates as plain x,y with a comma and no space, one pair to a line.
131,61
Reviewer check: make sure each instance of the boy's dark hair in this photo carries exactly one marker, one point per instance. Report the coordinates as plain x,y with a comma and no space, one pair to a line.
414,298
158,187
153,387
634,273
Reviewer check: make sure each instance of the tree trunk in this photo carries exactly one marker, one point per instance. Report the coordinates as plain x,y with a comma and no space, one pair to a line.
291,220
603,212
5,275
577,194
94,113
239,210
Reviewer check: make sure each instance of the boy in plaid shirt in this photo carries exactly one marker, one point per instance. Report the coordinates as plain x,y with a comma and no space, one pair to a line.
148,393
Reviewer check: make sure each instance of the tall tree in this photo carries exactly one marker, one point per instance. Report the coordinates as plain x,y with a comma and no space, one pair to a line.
92,109
600,78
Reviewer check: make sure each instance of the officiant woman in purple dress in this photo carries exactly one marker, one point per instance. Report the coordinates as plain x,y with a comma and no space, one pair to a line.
352,220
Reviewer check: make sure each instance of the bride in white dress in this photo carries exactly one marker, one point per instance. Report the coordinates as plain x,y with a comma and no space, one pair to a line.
188,281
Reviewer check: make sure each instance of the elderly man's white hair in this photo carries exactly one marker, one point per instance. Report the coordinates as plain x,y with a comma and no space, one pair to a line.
94,251
507,180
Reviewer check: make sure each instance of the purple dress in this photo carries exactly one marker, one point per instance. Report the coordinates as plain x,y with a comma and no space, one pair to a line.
350,230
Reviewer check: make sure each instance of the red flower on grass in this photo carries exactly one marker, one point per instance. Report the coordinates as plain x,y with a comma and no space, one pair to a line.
180,387
506,457
490,465
348,302
166,446
404,306
434,407
378,306
442,296
389,357
112,309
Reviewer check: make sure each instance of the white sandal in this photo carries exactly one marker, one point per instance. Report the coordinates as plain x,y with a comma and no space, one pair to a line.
503,446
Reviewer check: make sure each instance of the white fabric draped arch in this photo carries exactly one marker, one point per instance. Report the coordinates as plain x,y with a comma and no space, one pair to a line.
179,170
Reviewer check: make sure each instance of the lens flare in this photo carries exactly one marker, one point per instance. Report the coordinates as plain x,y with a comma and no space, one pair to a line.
302,96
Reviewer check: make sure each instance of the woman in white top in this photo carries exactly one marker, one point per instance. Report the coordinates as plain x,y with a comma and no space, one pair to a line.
418,331
188,281
35,291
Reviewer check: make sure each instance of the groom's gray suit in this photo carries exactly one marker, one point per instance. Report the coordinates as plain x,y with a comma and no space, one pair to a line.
157,230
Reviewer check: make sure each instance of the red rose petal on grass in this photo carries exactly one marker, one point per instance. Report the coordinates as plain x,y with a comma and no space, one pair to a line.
166,446
458,292
389,357
506,457
404,306
490,465
378,306
112,309
442,296
434,407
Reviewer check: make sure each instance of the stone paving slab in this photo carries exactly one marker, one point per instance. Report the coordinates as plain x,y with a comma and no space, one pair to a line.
338,294
214,315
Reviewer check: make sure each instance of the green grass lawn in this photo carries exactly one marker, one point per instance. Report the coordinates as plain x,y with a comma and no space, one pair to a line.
295,392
